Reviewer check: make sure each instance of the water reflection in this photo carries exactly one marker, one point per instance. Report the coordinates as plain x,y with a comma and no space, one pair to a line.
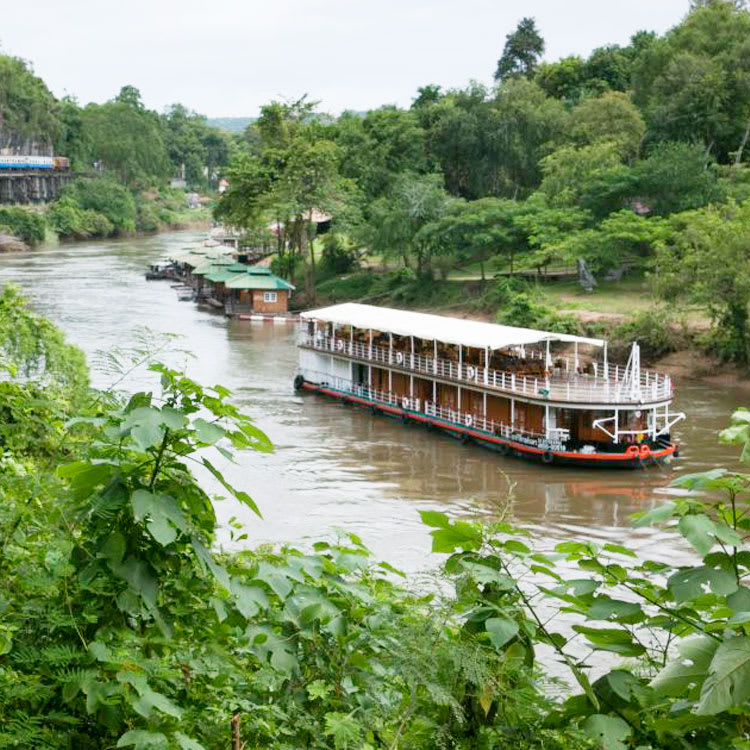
336,465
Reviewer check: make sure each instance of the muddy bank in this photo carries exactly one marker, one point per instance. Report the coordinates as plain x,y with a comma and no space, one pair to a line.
693,364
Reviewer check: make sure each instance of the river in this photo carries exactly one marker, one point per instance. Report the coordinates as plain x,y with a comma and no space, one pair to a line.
336,466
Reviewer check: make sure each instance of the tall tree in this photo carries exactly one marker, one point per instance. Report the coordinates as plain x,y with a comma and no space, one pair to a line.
522,51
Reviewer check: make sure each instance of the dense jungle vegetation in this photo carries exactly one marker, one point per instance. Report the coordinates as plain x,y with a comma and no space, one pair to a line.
634,160
122,154
125,624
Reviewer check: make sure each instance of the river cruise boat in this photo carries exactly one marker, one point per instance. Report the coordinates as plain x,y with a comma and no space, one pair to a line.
536,394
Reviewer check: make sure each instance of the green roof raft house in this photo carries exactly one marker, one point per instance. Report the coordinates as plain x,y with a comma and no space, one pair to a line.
255,291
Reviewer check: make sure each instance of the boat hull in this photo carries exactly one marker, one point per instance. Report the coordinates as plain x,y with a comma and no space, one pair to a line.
507,446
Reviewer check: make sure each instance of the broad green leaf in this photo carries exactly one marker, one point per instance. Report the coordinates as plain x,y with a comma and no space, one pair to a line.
138,574
99,651
685,675
609,732
739,601
143,740
611,639
172,418
657,515
501,630
147,435
704,480
623,683
249,600
276,577
434,519
690,583
458,535
149,700
345,730
207,560
272,649
161,530
614,610
207,432
243,497
187,743
699,530
728,682
619,549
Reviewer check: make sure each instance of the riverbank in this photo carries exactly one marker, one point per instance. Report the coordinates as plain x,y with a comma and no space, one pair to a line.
100,207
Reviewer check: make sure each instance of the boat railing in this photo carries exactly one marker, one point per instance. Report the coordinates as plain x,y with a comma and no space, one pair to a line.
472,420
554,383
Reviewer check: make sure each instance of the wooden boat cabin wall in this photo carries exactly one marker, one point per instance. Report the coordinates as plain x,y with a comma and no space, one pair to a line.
533,393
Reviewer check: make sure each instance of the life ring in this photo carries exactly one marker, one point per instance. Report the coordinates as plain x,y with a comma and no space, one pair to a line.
632,451
470,372
340,345
645,451
299,381
399,358
405,402
468,420
547,457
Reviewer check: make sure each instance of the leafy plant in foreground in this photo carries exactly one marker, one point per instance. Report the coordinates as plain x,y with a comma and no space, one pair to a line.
682,629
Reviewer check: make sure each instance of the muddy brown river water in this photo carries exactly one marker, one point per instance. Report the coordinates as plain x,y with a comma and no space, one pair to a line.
335,466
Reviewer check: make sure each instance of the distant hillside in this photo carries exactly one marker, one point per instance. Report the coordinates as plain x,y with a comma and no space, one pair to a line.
231,124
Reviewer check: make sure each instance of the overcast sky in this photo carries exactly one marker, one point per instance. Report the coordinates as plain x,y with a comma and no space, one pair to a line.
228,57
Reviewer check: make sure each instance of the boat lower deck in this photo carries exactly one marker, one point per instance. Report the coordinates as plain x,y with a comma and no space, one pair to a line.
507,441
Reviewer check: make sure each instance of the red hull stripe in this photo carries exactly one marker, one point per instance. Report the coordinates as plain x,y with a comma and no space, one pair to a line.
486,436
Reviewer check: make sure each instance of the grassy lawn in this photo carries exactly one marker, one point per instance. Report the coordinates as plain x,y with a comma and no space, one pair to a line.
624,297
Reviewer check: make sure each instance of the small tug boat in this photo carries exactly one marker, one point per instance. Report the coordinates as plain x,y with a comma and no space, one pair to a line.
522,392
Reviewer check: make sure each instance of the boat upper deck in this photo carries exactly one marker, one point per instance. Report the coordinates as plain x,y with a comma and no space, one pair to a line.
541,377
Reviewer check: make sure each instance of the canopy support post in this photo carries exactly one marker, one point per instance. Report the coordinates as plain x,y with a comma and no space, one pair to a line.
460,360
575,357
487,366
606,362
390,362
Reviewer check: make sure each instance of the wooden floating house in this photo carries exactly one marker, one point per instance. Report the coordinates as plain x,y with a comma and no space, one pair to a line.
522,392
219,280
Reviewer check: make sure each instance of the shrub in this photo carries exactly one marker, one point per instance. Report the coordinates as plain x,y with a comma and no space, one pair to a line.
523,306
148,217
657,330
24,223
107,197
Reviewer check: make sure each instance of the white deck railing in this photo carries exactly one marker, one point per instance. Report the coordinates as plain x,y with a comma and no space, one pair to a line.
458,417
559,384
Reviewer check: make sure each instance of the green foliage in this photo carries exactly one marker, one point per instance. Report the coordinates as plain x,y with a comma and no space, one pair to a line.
610,117
658,330
338,255
683,677
705,261
398,218
522,51
127,138
28,111
123,626
524,307
105,196
25,223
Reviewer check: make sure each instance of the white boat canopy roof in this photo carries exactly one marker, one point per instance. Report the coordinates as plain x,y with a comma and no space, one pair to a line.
428,327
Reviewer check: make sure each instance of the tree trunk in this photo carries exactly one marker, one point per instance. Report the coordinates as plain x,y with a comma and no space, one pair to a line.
481,267
236,734
310,240
738,158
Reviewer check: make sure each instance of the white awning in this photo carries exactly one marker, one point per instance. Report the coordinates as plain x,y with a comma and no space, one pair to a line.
438,327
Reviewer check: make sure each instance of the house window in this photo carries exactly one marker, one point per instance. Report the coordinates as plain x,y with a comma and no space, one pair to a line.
270,297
